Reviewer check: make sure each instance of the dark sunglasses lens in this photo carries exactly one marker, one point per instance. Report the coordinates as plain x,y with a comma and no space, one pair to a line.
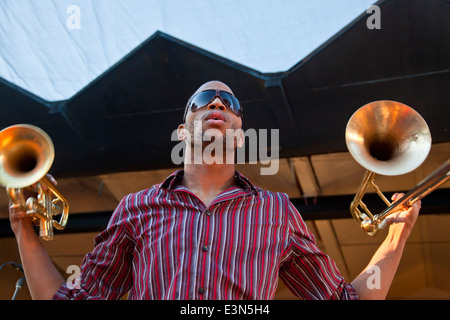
231,103
201,100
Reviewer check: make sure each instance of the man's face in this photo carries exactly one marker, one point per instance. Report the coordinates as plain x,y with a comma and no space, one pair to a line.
214,117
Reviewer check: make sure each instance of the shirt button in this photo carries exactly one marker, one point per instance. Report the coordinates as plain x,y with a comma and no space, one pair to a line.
205,248
208,213
201,290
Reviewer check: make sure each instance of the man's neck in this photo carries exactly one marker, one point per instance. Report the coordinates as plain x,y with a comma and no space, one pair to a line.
208,181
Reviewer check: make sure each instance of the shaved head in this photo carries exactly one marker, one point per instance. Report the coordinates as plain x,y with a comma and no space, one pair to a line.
214,85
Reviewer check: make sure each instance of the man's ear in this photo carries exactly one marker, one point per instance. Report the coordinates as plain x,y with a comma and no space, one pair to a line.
240,138
181,132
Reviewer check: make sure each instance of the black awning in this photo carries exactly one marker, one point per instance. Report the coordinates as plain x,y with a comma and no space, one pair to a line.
123,120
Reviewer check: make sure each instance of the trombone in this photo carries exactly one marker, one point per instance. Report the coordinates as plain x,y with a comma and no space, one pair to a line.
26,155
389,138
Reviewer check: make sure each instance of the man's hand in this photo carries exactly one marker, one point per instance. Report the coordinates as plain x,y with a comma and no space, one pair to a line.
404,220
388,255
17,214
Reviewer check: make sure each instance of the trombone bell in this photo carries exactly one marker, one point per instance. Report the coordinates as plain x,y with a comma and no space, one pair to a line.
389,138
26,155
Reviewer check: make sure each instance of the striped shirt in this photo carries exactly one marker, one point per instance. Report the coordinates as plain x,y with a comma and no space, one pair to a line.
164,243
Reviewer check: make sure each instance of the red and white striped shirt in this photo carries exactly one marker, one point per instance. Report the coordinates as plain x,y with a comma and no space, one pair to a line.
164,243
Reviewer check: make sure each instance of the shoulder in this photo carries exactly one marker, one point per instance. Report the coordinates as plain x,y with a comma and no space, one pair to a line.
139,200
257,191
153,191
283,203
272,195
133,202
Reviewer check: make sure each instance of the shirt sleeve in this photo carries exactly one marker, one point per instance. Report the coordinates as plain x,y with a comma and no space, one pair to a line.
307,272
106,271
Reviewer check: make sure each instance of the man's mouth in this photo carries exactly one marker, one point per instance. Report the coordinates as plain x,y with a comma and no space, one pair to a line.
215,117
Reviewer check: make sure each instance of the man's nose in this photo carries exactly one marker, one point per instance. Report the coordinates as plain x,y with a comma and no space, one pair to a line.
216,104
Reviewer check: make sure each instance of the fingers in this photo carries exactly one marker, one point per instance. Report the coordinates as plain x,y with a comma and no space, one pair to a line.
16,211
51,179
44,186
397,196
406,216
416,205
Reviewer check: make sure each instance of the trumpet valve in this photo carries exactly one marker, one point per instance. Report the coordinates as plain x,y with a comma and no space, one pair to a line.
35,210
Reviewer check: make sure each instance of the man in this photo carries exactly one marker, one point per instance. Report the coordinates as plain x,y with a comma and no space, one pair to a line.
207,232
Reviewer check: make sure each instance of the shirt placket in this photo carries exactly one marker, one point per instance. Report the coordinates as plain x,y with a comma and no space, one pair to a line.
202,262
204,254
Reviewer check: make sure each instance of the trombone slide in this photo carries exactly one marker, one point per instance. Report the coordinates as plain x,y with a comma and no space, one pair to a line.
372,224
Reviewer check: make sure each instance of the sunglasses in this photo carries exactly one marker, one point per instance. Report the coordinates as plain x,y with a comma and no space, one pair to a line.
202,99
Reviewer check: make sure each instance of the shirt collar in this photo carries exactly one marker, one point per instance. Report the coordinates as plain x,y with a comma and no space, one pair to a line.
245,182
172,180
175,178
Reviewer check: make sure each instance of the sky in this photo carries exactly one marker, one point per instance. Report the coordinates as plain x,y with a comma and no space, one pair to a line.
54,48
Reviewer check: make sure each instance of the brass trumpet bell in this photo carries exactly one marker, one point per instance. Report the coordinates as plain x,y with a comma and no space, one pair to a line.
26,155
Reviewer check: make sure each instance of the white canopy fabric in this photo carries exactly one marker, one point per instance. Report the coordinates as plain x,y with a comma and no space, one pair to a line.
54,48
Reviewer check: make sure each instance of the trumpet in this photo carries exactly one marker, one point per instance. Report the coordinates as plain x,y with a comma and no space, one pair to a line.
26,155
389,138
